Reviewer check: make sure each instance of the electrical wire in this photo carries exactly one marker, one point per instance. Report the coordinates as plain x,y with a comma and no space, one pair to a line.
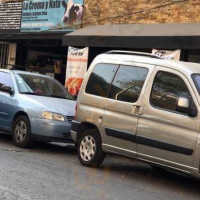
140,11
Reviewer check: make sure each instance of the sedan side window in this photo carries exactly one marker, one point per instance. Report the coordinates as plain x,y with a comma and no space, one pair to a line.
5,79
128,83
167,89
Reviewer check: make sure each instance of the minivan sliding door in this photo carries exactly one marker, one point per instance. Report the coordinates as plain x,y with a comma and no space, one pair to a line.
123,107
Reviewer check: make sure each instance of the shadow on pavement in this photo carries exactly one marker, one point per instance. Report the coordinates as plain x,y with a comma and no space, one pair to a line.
129,171
6,143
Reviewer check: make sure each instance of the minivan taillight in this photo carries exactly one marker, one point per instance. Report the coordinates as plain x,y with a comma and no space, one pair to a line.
75,111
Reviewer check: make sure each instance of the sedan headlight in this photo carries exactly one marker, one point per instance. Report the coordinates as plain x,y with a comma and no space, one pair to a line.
53,116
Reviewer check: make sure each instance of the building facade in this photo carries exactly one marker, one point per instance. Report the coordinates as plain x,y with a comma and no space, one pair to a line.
120,24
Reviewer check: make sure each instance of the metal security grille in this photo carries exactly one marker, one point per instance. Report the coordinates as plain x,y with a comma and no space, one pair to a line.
4,53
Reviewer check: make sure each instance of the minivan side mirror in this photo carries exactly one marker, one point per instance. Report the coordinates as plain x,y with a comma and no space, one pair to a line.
183,105
7,89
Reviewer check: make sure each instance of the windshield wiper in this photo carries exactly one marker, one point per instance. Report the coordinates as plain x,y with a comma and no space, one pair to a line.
31,93
58,96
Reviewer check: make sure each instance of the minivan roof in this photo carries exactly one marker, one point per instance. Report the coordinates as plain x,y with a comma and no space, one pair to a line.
140,57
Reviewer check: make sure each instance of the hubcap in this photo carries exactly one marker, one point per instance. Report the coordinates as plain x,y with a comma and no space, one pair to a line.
87,148
20,131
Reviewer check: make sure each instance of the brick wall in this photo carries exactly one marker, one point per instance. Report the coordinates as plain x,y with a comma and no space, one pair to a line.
185,12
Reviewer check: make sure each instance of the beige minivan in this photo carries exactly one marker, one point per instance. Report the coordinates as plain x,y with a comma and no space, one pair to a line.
142,107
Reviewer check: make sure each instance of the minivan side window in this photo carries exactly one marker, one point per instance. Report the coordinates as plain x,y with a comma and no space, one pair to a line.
5,79
100,79
166,90
128,83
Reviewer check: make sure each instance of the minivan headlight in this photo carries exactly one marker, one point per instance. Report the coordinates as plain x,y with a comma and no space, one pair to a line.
53,116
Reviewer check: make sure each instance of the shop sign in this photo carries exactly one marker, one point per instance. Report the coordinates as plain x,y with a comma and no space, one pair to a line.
167,55
76,69
52,15
10,15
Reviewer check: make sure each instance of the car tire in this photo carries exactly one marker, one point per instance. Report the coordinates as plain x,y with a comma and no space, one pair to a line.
90,148
22,132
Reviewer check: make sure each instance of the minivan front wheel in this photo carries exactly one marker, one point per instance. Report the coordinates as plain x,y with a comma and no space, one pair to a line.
22,132
90,149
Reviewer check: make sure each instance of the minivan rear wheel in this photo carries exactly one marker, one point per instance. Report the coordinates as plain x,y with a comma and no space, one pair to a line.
22,132
90,149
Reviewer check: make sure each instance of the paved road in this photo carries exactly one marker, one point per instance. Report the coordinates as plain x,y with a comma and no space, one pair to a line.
49,172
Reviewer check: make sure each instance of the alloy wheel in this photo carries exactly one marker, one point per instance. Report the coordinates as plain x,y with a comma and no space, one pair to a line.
87,148
20,131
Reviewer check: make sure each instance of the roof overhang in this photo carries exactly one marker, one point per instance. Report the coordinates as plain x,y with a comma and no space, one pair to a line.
168,36
46,35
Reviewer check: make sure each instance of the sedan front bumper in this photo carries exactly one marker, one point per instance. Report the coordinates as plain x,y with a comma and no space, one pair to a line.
50,130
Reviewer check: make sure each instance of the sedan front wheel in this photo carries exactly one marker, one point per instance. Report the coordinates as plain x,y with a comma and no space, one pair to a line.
22,132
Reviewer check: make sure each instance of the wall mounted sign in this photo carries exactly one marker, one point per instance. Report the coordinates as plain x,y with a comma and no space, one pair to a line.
167,55
52,15
10,15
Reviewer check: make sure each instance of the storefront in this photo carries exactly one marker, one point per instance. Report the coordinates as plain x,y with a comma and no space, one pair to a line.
40,53
40,27
139,37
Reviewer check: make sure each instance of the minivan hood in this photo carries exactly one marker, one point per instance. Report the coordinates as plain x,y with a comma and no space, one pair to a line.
62,106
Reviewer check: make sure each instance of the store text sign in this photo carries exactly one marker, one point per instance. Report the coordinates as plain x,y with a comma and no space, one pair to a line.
167,55
54,15
77,61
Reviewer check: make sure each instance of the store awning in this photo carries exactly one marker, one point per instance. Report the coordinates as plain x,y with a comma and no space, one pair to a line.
17,35
168,36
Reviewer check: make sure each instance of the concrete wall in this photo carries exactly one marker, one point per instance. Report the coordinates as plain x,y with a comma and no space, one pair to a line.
171,11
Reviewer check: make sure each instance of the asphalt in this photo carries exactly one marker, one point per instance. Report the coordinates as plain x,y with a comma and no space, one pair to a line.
51,172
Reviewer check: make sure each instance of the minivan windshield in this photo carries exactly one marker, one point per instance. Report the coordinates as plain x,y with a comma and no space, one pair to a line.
42,86
196,79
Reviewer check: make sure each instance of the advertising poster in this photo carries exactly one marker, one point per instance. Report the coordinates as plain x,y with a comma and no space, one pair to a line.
167,55
76,69
53,15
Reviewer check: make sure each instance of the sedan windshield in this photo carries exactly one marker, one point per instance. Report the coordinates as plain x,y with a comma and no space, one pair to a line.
196,79
42,86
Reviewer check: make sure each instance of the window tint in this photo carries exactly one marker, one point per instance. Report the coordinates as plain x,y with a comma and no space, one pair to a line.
128,83
167,88
100,79
5,79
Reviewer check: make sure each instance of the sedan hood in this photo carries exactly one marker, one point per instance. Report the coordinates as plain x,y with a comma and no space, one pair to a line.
62,106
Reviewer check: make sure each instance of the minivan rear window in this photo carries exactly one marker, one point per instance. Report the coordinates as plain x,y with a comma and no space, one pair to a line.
100,79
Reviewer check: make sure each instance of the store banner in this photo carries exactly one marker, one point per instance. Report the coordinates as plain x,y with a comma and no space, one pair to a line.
52,15
77,61
10,16
167,55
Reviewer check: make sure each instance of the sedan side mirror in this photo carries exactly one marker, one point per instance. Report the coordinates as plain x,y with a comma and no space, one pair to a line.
7,89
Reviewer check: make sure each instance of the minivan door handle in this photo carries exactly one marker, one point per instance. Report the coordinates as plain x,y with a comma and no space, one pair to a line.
137,110
100,119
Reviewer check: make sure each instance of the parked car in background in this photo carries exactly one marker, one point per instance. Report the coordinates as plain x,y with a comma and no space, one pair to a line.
34,107
136,105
